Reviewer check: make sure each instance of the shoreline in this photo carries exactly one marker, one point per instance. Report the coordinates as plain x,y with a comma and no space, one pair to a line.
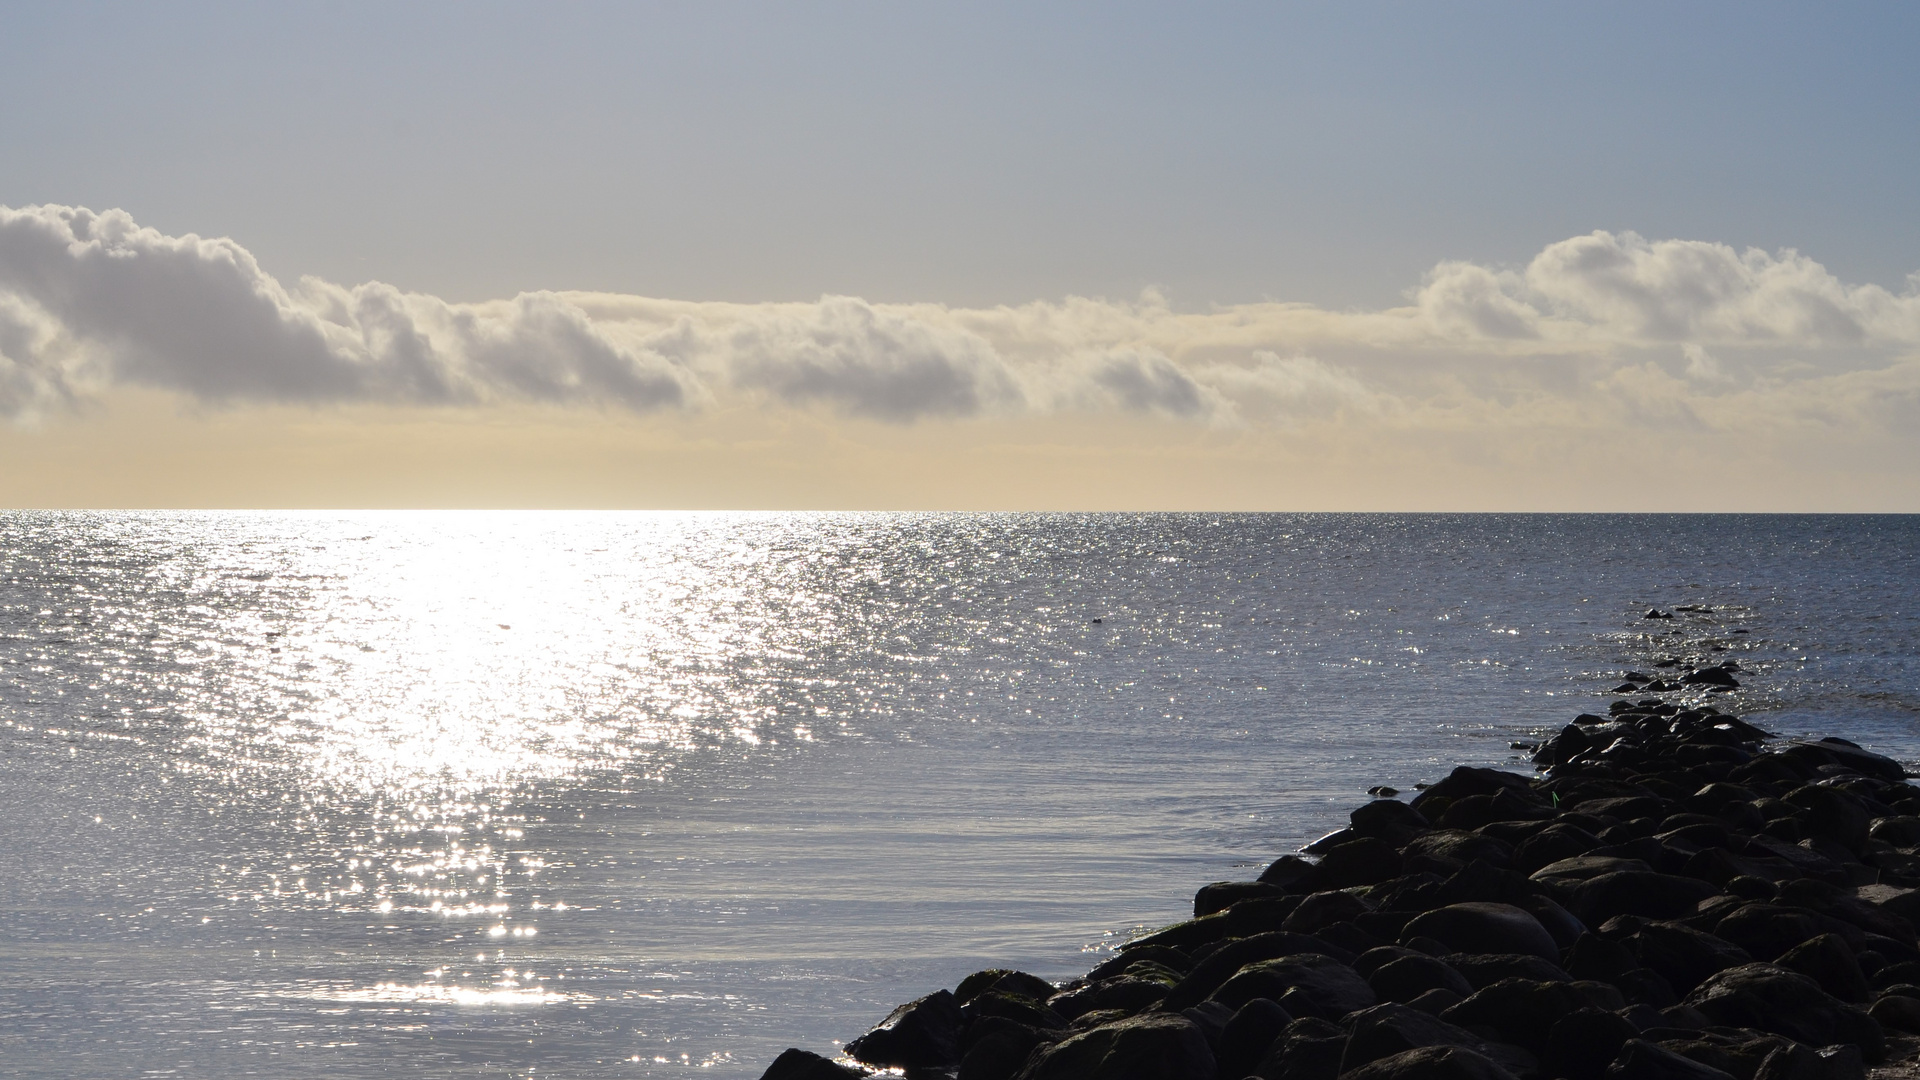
1676,893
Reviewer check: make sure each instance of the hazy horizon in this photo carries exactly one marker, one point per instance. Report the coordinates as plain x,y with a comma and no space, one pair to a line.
1384,257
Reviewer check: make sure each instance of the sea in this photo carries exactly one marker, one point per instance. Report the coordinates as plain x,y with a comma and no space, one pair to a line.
594,795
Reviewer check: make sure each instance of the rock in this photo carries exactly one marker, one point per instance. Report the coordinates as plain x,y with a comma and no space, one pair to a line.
1683,956
922,1034
1467,780
1898,1012
1366,861
1716,677
1431,1063
1245,1040
1833,814
1222,895
1770,998
997,1048
1389,820
1484,969
1766,930
1586,867
1386,1030
1159,1046
1437,1000
1013,1007
1220,965
1125,993
1323,909
1285,870
1482,927
1309,1049
1642,1060
1005,980
1521,1010
1827,960
1409,977
1457,847
1211,1018
1796,1061
1832,751
1628,892
1582,1043
1304,984
1552,844
797,1064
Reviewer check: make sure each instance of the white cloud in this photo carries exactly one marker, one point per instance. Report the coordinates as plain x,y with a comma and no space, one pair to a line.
1584,335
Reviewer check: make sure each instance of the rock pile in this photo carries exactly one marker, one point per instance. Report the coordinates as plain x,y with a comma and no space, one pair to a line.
1678,895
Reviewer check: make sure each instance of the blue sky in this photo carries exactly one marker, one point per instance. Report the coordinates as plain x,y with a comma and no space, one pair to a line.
937,163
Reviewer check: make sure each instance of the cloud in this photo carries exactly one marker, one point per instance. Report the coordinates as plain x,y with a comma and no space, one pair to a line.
1595,331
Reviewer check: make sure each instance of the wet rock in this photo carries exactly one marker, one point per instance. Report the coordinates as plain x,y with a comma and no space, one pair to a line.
1285,870
1486,927
1015,1007
1218,967
1249,1035
797,1064
1522,1011
1628,892
1897,1011
1683,956
997,1048
1222,895
922,1034
1160,1046
1582,1043
1766,930
1124,993
1406,978
1438,1000
1309,1049
1797,1061
1386,1030
1770,998
1432,1063
1304,984
1835,751
1365,861
1004,980
1484,969
1323,909
1827,960
1454,848
1717,678
1642,1060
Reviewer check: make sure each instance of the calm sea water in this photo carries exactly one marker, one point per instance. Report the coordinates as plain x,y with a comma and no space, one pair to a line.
626,795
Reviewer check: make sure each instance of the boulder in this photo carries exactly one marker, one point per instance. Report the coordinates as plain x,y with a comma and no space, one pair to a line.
1161,1046
1247,1038
1222,895
1432,1063
1683,956
1408,977
1827,960
1522,1011
1126,993
1797,1061
1629,892
1484,927
922,1034
1766,930
1365,861
1897,1011
1642,1060
1323,909
1308,1049
1484,969
997,1048
1582,1043
1769,998
1219,966
1386,1030
1006,981
797,1064
1304,984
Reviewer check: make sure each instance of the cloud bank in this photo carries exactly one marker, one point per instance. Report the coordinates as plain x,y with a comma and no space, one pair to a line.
1598,330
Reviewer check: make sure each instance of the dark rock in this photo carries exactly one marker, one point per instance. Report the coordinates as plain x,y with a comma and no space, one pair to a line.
1827,960
1217,968
1484,927
1005,980
1832,751
1432,1063
1900,831
922,1034
1595,957
797,1064
1438,1000
1570,872
1389,820
1550,845
1305,985
1628,892
1285,870
1222,895
1521,1010
1015,1007
1309,1049
1766,930
1459,848
1323,909
1716,677
1408,977
1797,1061
1130,995
1898,1012
1386,1030
1683,956
1642,1060
1245,1040
997,1048
1484,969
1211,1018
1770,998
1582,1043
1833,814
1467,780
1118,964
1365,861
1260,915
1159,1046
1185,936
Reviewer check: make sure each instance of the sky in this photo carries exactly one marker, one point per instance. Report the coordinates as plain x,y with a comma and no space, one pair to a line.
975,256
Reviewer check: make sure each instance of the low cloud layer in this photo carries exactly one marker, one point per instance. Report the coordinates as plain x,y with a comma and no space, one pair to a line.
1598,330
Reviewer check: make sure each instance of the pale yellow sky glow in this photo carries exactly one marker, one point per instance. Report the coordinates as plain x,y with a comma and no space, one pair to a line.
1611,372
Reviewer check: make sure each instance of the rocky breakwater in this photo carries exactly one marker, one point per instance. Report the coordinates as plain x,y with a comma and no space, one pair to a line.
1677,894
